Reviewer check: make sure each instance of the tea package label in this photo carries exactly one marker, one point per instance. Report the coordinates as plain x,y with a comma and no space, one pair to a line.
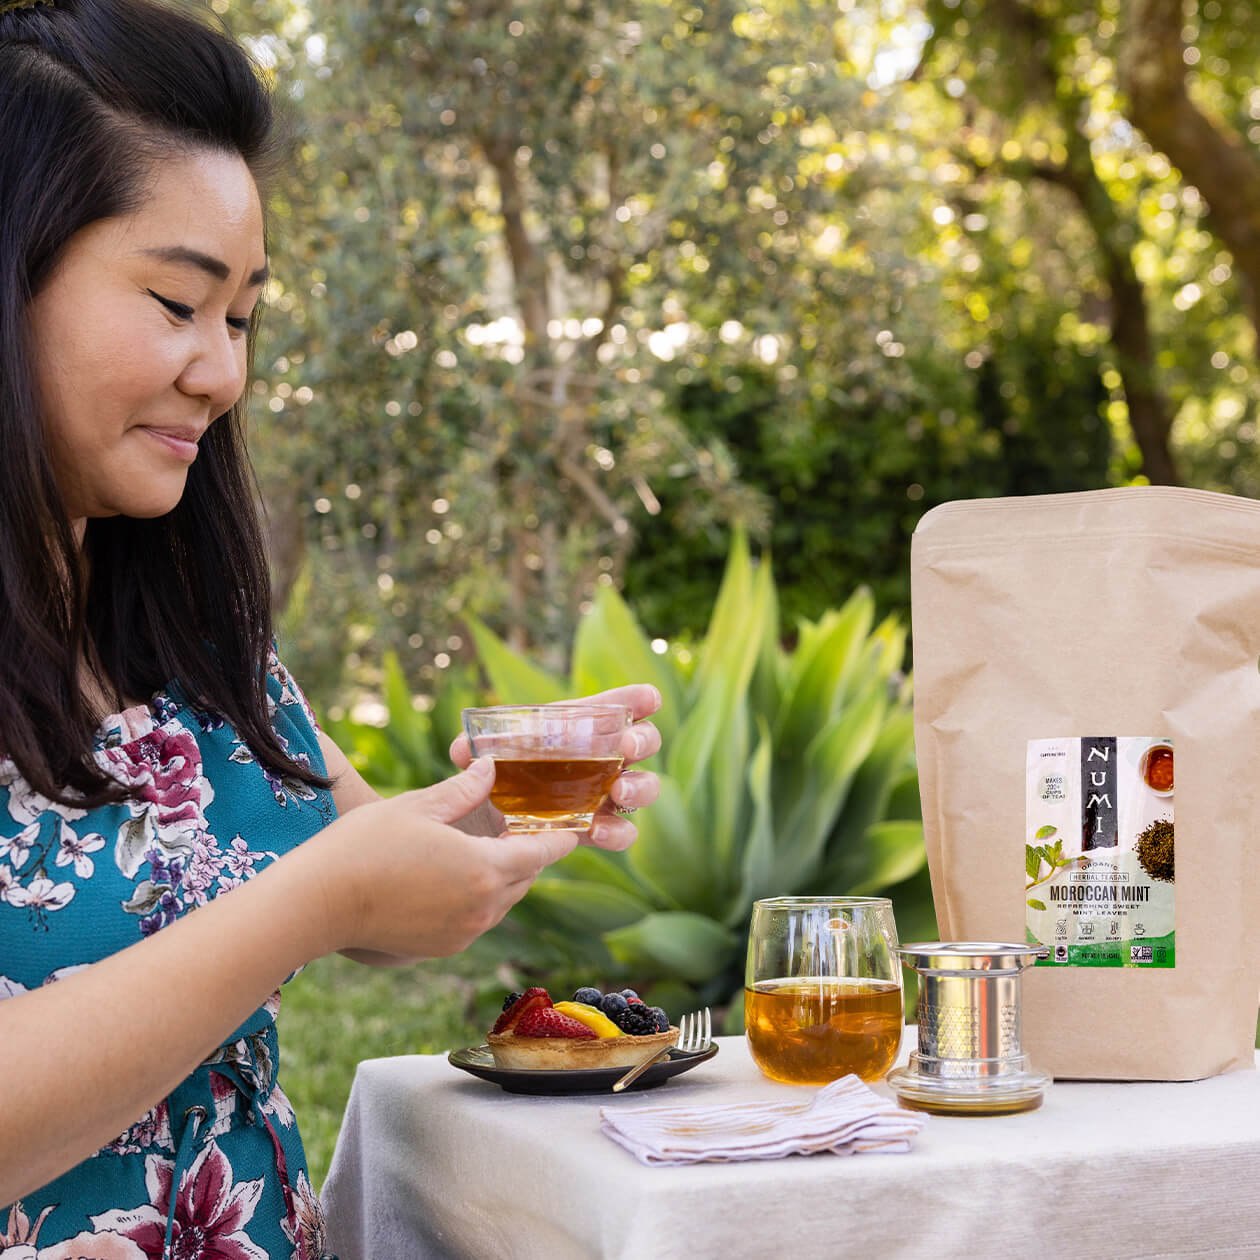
1098,851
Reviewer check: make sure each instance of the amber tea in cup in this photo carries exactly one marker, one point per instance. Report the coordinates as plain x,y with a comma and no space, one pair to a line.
822,988
553,763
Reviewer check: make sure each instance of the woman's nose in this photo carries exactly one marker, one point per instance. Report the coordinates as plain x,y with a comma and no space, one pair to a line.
217,369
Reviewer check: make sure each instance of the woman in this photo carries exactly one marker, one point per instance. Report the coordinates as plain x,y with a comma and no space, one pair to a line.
157,757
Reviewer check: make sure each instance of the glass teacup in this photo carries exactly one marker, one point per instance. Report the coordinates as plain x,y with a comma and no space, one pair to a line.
554,763
822,988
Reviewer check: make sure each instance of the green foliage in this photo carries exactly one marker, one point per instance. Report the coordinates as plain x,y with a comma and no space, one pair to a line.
852,472
408,747
564,289
782,771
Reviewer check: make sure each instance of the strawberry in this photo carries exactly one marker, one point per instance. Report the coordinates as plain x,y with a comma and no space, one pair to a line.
542,1022
531,999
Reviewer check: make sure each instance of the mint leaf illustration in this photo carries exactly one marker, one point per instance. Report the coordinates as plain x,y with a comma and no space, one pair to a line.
1044,833
1035,854
1036,905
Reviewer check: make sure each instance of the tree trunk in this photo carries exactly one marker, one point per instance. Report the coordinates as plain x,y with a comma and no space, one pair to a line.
1210,156
1149,415
529,267
529,279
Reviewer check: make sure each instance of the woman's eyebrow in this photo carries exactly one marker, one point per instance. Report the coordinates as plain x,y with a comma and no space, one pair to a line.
195,258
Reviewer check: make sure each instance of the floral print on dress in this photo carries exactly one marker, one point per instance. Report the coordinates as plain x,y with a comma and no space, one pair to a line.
152,1129
21,1230
308,1232
282,788
77,885
44,834
211,1210
75,849
290,692
18,1241
170,796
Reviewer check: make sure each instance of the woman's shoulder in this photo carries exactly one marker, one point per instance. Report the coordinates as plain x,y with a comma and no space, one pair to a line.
283,689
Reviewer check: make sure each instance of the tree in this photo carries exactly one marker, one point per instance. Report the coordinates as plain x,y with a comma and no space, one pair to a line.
1039,83
563,289
1155,63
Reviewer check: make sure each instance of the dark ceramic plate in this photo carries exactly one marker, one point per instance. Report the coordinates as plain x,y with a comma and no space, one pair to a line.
480,1062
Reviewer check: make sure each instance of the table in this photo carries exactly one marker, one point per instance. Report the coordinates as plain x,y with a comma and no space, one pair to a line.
433,1163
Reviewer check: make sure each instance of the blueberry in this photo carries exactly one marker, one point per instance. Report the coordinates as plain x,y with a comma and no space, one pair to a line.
630,995
614,1004
662,1020
589,997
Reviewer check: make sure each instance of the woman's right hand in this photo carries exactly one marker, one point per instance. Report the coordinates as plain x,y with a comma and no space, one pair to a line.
397,882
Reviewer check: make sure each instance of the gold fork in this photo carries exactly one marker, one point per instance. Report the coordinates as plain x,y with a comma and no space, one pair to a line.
695,1032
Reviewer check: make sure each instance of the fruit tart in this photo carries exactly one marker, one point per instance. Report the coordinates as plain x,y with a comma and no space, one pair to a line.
594,1030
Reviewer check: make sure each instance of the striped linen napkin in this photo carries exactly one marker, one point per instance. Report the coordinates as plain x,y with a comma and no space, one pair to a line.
845,1118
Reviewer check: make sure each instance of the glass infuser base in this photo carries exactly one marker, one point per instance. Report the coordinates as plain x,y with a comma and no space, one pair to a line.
1007,1092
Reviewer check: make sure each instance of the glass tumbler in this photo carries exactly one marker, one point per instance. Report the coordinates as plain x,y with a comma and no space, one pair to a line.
822,988
553,763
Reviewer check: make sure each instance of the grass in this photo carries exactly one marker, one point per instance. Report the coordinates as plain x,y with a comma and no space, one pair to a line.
337,1013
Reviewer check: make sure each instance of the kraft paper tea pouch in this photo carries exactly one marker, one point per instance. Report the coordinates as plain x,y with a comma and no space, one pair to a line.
1087,720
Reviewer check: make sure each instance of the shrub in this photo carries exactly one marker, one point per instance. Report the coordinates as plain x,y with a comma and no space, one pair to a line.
783,770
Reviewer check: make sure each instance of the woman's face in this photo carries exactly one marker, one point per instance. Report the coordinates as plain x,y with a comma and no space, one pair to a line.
140,336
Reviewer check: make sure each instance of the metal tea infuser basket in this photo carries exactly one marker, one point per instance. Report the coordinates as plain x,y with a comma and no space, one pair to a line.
969,1060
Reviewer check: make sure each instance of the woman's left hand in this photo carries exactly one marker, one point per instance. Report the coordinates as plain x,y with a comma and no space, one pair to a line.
632,788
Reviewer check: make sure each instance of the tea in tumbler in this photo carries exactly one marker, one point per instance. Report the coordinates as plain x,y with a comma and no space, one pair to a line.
808,1032
554,763
552,788
822,988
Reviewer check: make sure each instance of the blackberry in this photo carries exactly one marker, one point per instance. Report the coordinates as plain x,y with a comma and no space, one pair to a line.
511,997
589,997
613,1004
662,1020
636,1020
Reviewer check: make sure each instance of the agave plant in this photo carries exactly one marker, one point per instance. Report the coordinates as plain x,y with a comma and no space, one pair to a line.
782,771
413,748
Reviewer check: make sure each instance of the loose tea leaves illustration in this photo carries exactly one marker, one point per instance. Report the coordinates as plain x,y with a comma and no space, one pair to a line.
1155,850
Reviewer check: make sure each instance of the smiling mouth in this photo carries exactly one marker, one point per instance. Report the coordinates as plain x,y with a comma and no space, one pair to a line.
184,448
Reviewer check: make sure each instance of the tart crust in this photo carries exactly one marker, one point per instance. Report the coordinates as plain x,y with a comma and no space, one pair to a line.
550,1054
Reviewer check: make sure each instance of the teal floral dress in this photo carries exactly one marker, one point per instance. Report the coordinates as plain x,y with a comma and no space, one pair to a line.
215,1170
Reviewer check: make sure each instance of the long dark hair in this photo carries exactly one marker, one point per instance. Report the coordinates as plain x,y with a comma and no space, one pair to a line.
92,93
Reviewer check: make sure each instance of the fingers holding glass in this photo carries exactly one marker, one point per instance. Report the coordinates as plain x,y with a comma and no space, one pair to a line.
640,742
631,790
612,827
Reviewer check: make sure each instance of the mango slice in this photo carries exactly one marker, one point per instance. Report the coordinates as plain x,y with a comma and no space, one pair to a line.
596,1021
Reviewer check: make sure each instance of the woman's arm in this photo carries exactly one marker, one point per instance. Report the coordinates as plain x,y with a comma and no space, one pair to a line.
83,1058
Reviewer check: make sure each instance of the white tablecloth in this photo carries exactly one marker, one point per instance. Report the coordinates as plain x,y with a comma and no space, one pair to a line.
431,1162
